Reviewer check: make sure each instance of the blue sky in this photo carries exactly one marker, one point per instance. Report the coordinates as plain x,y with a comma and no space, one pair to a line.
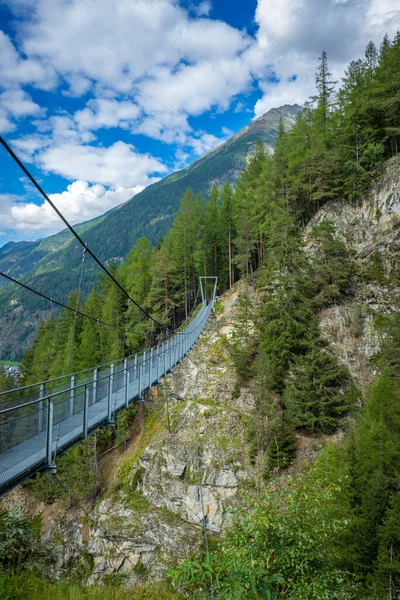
103,97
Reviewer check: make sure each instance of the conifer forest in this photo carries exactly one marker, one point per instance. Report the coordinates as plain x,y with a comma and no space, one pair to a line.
329,528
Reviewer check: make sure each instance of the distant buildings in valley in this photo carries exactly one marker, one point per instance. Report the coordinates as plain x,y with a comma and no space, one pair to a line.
12,370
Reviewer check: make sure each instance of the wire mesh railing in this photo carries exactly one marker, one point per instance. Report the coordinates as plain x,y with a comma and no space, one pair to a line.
37,422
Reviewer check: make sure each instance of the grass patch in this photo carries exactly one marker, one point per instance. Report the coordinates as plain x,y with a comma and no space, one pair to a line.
218,307
20,586
123,480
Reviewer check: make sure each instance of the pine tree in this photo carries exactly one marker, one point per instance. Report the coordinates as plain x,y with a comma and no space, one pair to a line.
91,351
227,233
281,449
162,296
375,456
325,98
136,274
332,271
185,238
212,233
244,340
313,398
388,564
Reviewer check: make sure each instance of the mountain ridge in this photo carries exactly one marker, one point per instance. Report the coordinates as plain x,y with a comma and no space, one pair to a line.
51,265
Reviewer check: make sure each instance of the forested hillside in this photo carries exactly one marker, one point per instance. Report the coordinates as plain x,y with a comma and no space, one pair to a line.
53,263
329,527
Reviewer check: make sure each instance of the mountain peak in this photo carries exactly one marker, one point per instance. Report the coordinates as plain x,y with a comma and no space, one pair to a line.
149,213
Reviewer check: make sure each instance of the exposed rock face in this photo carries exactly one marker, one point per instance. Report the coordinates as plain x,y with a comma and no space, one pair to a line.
199,434
153,508
206,440
151,541
371,231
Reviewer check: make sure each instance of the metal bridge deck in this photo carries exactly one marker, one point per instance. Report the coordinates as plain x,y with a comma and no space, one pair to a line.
51,416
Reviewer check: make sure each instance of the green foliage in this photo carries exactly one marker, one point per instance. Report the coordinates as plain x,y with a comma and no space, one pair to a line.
281,449
229,579
77,469
243,344
291,529
23,585
333,269
20,542
313,398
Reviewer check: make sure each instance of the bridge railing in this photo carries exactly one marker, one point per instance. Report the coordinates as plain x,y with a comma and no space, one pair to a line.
53,414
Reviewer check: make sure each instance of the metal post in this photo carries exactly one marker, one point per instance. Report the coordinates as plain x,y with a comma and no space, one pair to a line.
72,396
143,372
126,374
164,355
95,386
49,436
109,406
139,367
112,376
151,366
85,412
41,408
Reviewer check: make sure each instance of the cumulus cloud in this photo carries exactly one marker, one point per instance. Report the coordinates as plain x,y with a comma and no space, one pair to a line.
18,104
6,124
16,70
116,165
205,142
203,9
293,33
103,112
150,48
120,41
79,202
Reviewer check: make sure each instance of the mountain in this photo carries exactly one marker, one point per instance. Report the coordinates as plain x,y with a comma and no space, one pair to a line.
52,265
12,246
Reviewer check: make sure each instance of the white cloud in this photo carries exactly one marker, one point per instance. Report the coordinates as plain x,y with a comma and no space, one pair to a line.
16,70
79,202
204,143
293,33
103,112
153,49
118,42
18,104
116,165
203,9
6,124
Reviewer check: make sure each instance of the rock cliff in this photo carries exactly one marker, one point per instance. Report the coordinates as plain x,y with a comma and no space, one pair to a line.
370,229
191,451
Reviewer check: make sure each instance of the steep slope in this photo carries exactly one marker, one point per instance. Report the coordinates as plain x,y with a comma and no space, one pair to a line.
150,502
52,264
371,231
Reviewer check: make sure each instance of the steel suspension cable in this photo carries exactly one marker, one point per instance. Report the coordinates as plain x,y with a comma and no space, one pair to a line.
52,301
72,230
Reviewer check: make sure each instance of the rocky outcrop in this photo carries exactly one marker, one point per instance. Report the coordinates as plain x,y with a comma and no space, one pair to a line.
194,456
140,543
370,229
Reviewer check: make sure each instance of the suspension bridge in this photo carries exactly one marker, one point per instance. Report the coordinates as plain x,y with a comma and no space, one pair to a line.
45,419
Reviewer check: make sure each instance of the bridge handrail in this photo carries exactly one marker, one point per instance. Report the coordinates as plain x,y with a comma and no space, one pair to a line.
78,385
32,385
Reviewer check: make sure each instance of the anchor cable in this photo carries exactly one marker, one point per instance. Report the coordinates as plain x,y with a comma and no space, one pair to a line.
72,230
